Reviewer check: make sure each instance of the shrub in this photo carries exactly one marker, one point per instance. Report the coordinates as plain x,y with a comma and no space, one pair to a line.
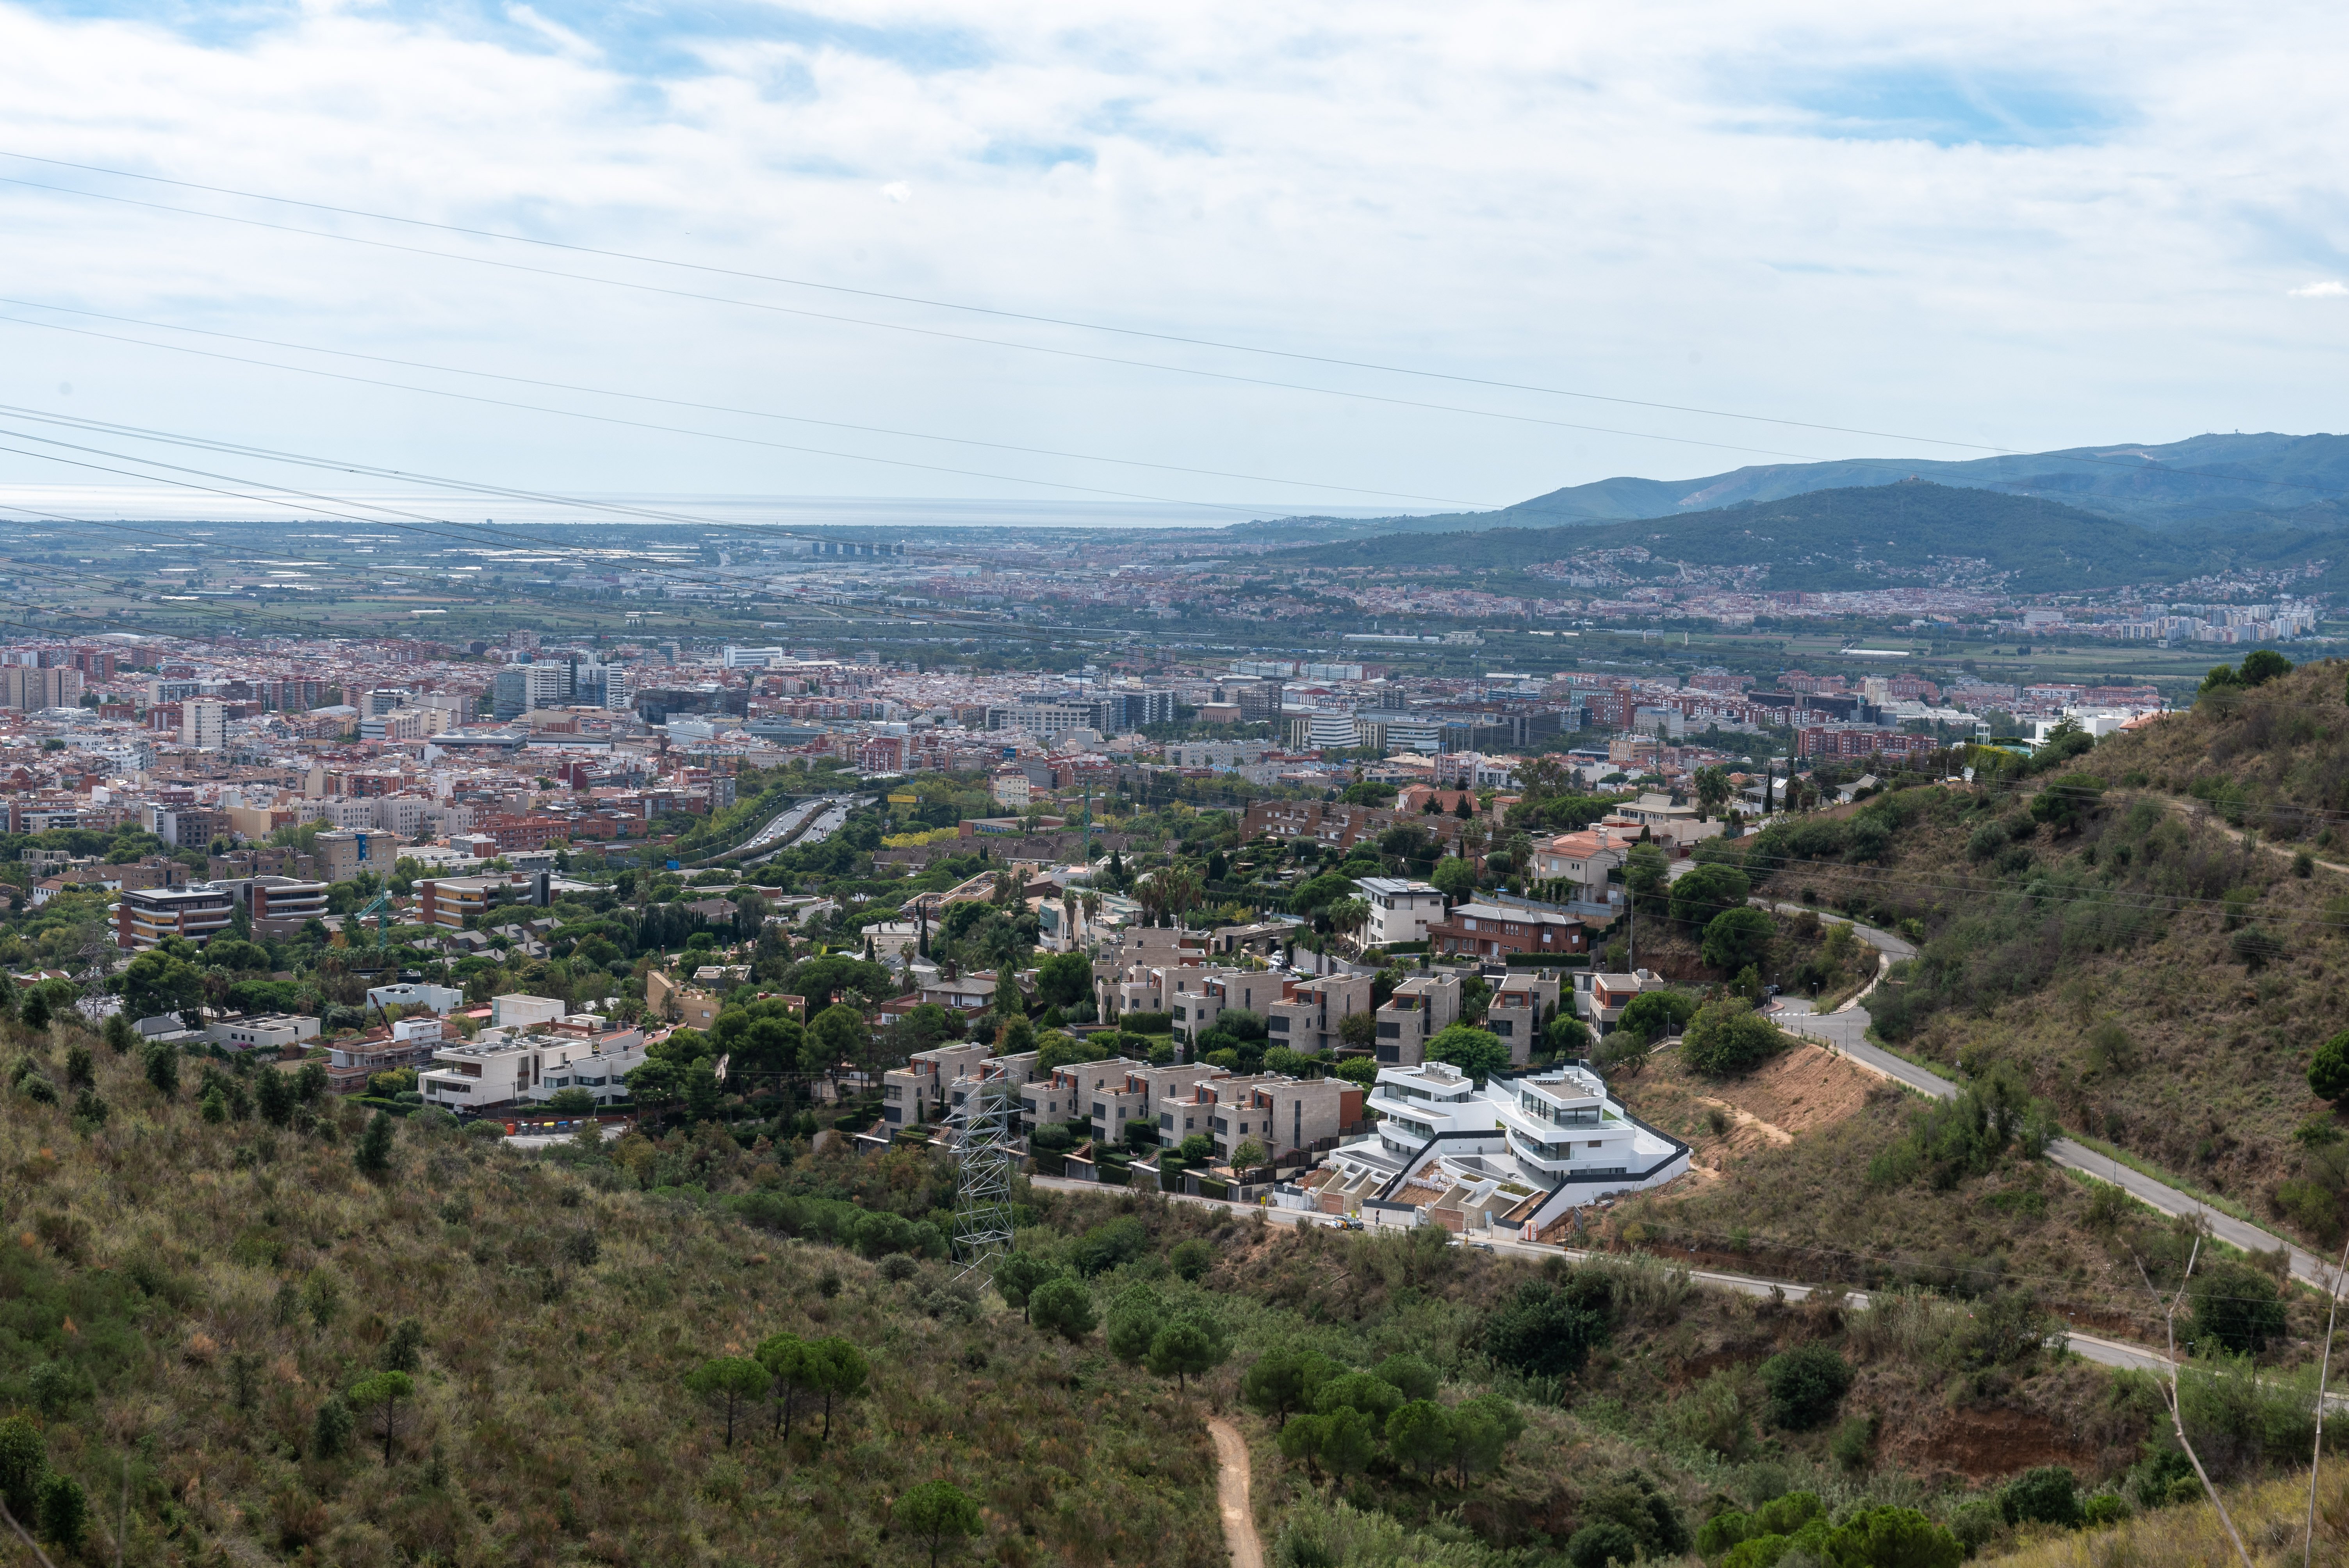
2062,802
1598,1545
2236,1307
1062,1307
1652,1016
2255,947
330,1433
1806,1385
65,1512
1894,1538
1548,1331
937,1515
2049,1494
1729,1036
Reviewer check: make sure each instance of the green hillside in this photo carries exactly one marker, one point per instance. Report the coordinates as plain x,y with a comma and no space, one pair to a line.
1842,539
2215,484
227,1340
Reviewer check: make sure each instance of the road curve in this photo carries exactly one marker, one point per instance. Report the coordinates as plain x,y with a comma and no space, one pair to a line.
1232,1493
1846,1027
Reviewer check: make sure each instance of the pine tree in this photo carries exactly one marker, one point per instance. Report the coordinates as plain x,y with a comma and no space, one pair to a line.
374,1156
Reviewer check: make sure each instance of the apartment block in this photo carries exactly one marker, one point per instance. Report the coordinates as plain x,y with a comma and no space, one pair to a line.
1421,1008
1401,909
1602,999
204,724
347,852
1218,991
1065,1094
1520,1006
1497,931
1308,1020
23,687
1286,1115
279,905
514,1069
262,1031
918,1091
1114,1106
144,917
445,902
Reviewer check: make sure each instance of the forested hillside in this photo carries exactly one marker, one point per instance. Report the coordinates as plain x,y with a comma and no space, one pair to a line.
2226,483
1857,538
248,1327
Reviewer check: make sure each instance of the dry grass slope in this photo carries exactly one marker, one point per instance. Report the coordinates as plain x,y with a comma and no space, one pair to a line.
208,1286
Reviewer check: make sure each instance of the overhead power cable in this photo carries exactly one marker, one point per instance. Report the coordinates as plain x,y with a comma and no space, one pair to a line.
916,331
677,402
1186,340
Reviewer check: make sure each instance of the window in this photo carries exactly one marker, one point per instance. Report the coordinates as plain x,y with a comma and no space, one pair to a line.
1390,1031
1277,1025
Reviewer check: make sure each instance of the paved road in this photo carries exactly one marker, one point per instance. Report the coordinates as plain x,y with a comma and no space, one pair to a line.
1846,1029
803,823
2088,1347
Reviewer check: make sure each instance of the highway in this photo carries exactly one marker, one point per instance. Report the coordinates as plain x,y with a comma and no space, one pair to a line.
801,822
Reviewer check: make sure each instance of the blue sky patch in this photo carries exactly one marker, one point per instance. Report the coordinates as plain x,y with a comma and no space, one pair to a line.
636,38
1953,108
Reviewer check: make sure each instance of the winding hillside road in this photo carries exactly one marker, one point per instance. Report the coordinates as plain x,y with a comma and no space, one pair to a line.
1232,1493
1846,1029
2087,1346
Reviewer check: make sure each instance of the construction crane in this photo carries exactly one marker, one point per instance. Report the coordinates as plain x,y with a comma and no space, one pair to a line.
379,907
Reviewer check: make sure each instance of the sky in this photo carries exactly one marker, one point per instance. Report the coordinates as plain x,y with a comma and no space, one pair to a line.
1214,261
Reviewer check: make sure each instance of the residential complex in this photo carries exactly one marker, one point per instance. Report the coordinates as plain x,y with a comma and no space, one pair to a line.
1516,1151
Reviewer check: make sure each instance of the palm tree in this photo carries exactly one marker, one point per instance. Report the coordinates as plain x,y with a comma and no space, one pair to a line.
1182,890
1348,915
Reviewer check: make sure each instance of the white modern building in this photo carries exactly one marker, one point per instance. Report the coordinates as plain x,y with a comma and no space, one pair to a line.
1401,909
1518,1152
514,1069
441,999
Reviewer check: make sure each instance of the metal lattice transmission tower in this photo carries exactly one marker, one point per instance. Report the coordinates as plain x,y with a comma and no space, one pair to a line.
983,1163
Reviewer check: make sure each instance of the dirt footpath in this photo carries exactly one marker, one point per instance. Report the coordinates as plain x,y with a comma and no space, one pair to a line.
1232,1495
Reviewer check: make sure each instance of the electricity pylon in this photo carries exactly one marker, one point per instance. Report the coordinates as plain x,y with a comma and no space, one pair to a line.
983,1162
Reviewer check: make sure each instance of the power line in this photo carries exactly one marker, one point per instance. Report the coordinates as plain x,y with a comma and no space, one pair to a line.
648,398
684,430
978,309
1184,339
1045,320
918,331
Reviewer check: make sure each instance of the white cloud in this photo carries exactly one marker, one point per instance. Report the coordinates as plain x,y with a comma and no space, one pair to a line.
1506,189
2329,289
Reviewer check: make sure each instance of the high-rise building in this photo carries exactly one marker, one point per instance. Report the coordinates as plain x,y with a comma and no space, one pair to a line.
521,687
1260,703
31,689
204,724
1131,709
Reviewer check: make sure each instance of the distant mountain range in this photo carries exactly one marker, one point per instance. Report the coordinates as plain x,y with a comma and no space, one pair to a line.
2234,483
1901,535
